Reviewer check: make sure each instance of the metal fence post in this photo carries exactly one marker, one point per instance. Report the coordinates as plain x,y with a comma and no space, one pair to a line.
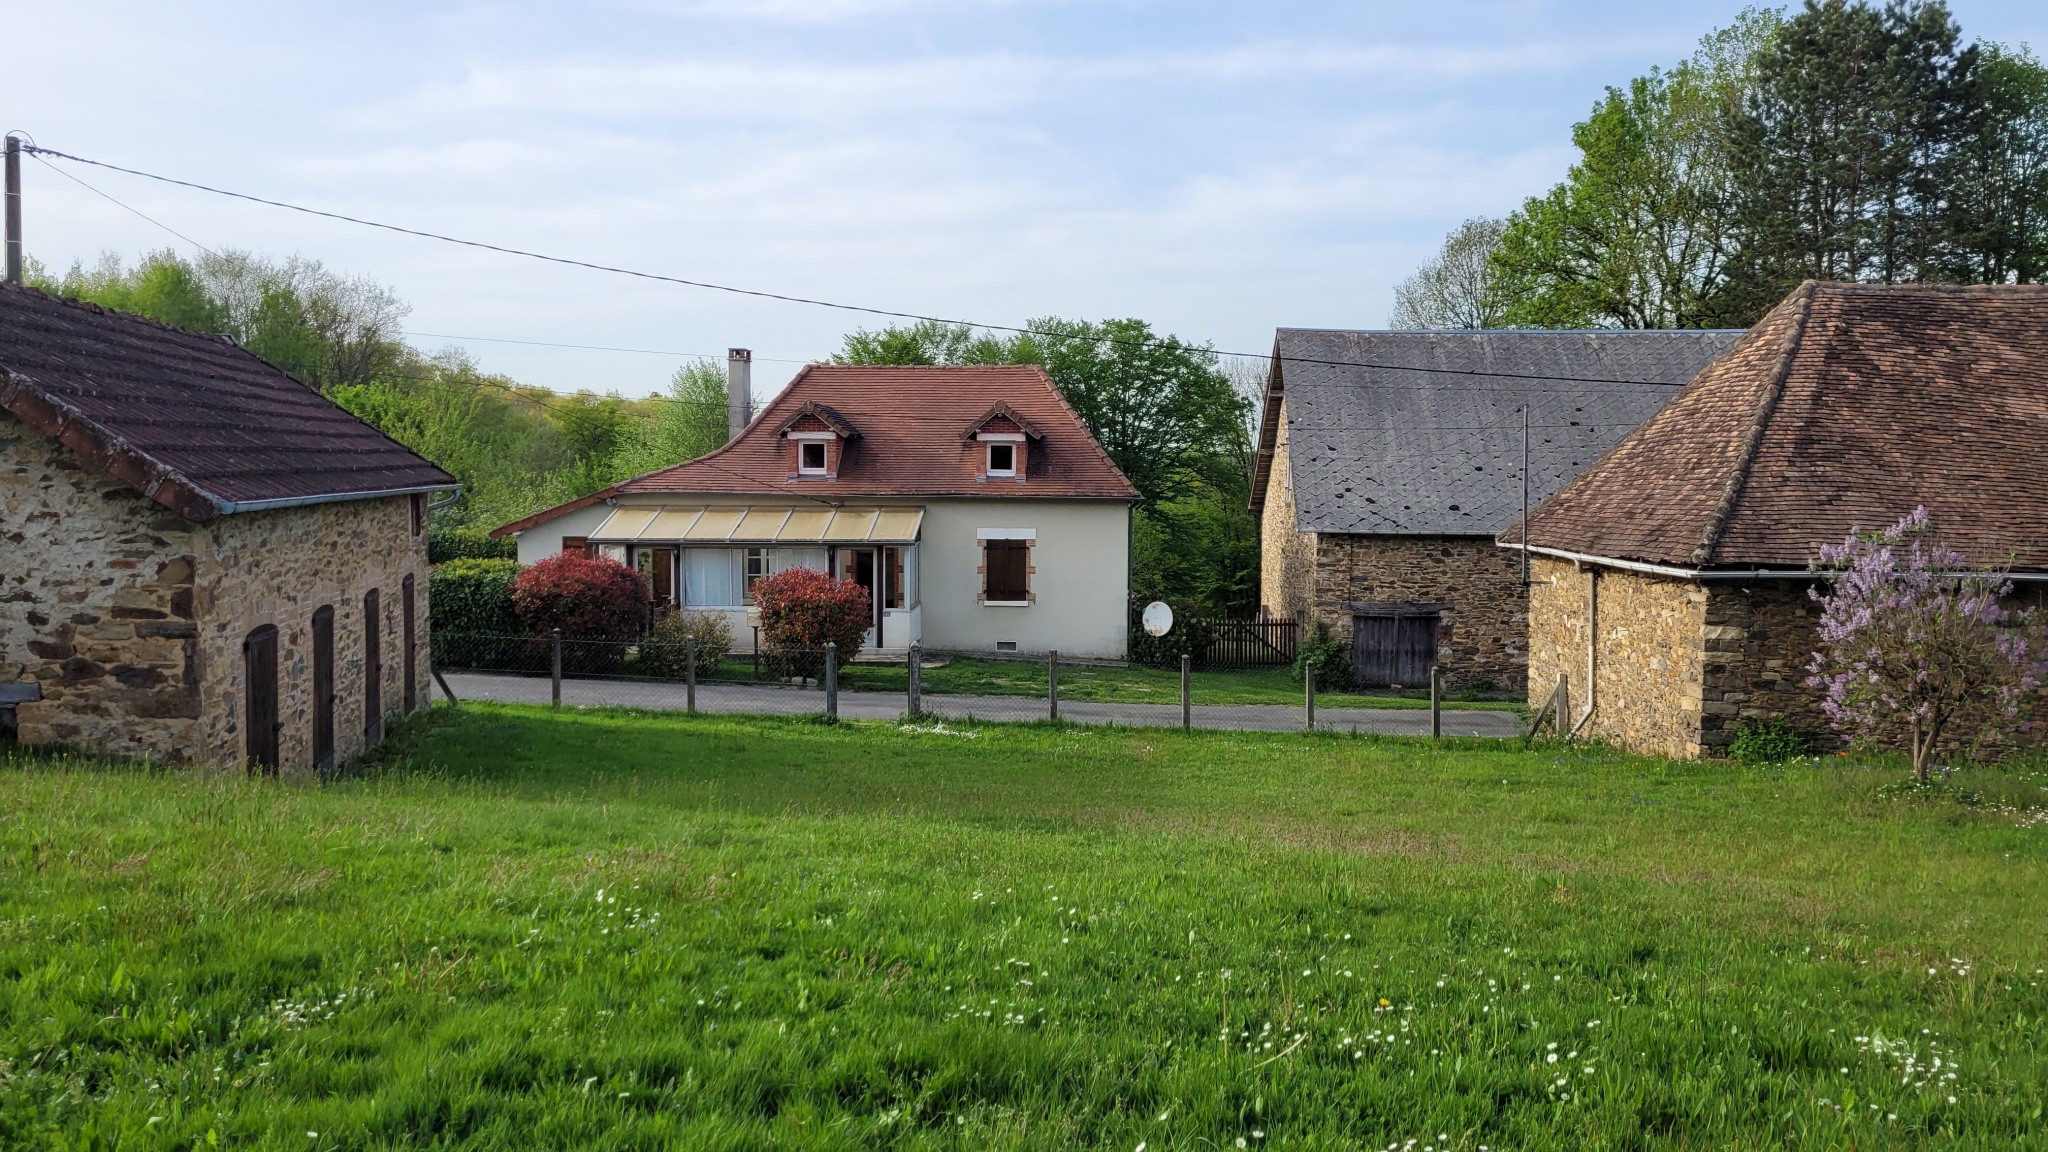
690,674
1436,701
555,665
1052,683
915,679
831,682
1187,699
1309,684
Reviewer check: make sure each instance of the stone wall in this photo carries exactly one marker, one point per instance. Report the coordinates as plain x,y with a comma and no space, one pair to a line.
1286,554
1759,639
131,619
278,568
1648,669
96,607
1487,623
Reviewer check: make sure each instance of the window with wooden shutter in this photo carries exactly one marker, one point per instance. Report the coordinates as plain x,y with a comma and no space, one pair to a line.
1006,568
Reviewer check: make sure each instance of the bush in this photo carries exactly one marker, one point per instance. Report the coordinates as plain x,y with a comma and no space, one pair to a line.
469,605
1329,656
1766,742
665,651
801,610
590,599
448,544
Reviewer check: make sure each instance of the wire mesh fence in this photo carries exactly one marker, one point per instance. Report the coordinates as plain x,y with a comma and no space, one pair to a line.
913,686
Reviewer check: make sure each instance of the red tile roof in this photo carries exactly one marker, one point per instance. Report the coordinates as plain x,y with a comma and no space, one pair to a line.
1842,410
910,422
194,422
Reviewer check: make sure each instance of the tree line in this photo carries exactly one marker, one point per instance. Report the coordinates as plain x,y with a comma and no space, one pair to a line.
1168,412
1843,142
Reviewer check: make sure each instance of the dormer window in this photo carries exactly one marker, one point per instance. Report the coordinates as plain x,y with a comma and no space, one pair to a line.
1002,459
817,438
810,457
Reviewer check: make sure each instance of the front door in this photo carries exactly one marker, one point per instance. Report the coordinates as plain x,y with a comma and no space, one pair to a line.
259,688
857,566
659,565
323,690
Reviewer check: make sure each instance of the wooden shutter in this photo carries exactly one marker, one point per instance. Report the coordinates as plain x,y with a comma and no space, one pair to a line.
323,689
580,545
373,668
411,644
259,689
1006,563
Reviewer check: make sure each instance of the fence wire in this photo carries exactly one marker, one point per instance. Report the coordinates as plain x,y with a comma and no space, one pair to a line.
587,672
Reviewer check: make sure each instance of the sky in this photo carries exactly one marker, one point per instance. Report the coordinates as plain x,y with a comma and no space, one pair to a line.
1216,169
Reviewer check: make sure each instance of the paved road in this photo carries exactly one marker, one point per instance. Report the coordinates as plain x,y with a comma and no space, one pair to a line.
890,706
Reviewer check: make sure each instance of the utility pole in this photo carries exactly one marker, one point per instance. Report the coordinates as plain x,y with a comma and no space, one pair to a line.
1525,497
13,209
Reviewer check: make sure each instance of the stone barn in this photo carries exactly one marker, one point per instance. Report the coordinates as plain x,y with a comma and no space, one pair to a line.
1387,461
202,561
1671,580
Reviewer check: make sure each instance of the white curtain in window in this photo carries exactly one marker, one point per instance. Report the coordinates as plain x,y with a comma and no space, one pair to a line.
711,577
812,558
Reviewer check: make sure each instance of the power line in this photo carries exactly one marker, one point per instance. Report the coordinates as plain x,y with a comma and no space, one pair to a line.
815,302
594,347
34,151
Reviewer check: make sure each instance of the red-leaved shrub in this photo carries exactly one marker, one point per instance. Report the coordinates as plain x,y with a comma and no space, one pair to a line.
801,609
587,597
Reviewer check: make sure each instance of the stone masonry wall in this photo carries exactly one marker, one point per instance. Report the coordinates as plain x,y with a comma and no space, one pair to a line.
131,619
1759,639
96,606
1650,665
278,568
1487,622
1286,554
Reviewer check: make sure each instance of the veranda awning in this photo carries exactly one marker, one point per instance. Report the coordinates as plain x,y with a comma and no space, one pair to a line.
759,524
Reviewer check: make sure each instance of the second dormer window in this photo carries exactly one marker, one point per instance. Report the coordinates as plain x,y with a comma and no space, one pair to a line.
1002,459
810,457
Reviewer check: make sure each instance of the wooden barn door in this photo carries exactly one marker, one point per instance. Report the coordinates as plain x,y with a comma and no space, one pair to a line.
259,690
1393,646
411,645
323,689
373,668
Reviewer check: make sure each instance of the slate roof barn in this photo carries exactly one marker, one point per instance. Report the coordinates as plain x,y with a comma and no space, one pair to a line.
1387,461
202,560
1672,577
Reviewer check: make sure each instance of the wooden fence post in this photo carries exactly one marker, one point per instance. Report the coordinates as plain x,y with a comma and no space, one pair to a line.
1436,701
690,675
1187,700
915,681
1563,709
1052,684
555,665
1309,688
831,682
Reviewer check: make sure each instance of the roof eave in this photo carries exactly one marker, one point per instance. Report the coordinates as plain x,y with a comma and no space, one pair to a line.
1758,572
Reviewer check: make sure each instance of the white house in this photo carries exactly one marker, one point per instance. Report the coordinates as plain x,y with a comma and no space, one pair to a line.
970,501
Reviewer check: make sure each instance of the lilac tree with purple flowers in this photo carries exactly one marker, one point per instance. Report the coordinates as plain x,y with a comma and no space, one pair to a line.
1915,647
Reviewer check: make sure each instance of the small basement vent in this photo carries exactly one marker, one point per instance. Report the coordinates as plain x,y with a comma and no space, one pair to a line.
1006,645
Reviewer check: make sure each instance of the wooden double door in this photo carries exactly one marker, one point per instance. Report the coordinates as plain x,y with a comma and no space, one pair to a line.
1394,644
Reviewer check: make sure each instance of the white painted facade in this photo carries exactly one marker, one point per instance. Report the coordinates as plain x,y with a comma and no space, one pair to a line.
1079,570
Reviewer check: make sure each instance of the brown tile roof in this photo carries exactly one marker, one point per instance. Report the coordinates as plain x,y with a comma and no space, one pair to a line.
194,422
1842,410
909,421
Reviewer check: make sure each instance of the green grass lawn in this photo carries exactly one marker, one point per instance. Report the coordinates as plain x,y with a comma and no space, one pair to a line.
1135,684
617,930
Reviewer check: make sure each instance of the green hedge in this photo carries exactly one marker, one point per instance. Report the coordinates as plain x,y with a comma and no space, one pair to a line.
447,544
470,604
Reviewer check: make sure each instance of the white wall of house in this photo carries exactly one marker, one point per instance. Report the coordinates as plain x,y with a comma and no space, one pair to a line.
1080,586
1080,556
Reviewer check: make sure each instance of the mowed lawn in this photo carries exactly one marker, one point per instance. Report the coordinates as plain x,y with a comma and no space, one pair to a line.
620,930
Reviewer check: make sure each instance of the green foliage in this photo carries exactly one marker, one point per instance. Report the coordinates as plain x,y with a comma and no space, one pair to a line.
451,543
689,422
801,611
1766,742
1192,635
473,595
665,652
1329,656
449,951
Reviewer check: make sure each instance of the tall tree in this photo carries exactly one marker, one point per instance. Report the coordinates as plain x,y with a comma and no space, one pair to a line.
2000,214
685,424
1456,288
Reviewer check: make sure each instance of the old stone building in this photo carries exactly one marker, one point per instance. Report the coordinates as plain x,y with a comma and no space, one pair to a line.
1671,580
202,561
1388,460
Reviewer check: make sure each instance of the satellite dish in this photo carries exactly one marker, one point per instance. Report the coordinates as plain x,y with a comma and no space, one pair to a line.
1158,618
